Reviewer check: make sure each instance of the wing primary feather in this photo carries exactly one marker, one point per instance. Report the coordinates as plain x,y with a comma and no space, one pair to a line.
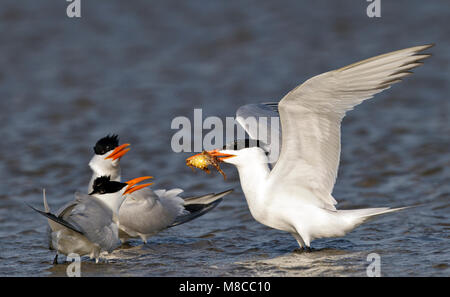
57,220
311,116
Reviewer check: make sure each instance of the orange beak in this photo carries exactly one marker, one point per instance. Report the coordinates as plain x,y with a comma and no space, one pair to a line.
214,153
130,189
119,152
220,155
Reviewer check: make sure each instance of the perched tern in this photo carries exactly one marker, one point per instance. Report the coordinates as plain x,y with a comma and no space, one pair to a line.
88,224
146,212
295,196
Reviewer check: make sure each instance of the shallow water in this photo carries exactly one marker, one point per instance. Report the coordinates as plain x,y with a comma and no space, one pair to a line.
130,69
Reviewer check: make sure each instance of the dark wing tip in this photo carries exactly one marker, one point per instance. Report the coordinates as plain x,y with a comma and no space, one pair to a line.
56,219
225,192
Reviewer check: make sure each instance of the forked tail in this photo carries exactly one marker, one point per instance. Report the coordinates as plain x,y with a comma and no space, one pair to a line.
46,207
359,216
198,206
205,199
54,219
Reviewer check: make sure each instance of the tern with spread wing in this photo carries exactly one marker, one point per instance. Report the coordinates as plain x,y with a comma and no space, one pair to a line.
296,195
147,212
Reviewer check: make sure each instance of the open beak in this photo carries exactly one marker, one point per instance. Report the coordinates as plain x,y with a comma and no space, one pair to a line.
220,155
214,153
130,189
119,152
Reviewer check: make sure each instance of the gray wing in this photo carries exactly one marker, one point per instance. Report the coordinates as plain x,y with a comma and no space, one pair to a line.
148,212
94,219
262,122
58,220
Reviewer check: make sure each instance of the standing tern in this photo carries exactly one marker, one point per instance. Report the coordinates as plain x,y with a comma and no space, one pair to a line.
145,213
295,196
148,212
88,224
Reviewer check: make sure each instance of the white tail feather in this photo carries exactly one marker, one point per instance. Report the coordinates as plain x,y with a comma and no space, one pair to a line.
358,216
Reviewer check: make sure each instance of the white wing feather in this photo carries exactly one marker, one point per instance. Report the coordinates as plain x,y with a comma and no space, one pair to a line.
311,117
256,110
261,122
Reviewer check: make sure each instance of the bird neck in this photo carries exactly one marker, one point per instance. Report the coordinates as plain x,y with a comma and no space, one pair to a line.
101,168
112,201
253,177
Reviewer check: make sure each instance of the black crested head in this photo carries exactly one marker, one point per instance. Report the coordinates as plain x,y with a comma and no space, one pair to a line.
242,143
104,185
106,144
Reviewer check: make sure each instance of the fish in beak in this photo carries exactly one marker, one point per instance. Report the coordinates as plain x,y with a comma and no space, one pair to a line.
206,158
130,189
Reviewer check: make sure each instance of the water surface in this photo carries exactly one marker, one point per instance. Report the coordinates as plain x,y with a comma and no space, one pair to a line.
131,68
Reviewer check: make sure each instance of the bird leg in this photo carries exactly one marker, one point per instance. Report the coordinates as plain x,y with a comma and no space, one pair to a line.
299,239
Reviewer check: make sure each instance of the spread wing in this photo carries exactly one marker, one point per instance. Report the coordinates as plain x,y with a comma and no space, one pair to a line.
261,122
311,117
